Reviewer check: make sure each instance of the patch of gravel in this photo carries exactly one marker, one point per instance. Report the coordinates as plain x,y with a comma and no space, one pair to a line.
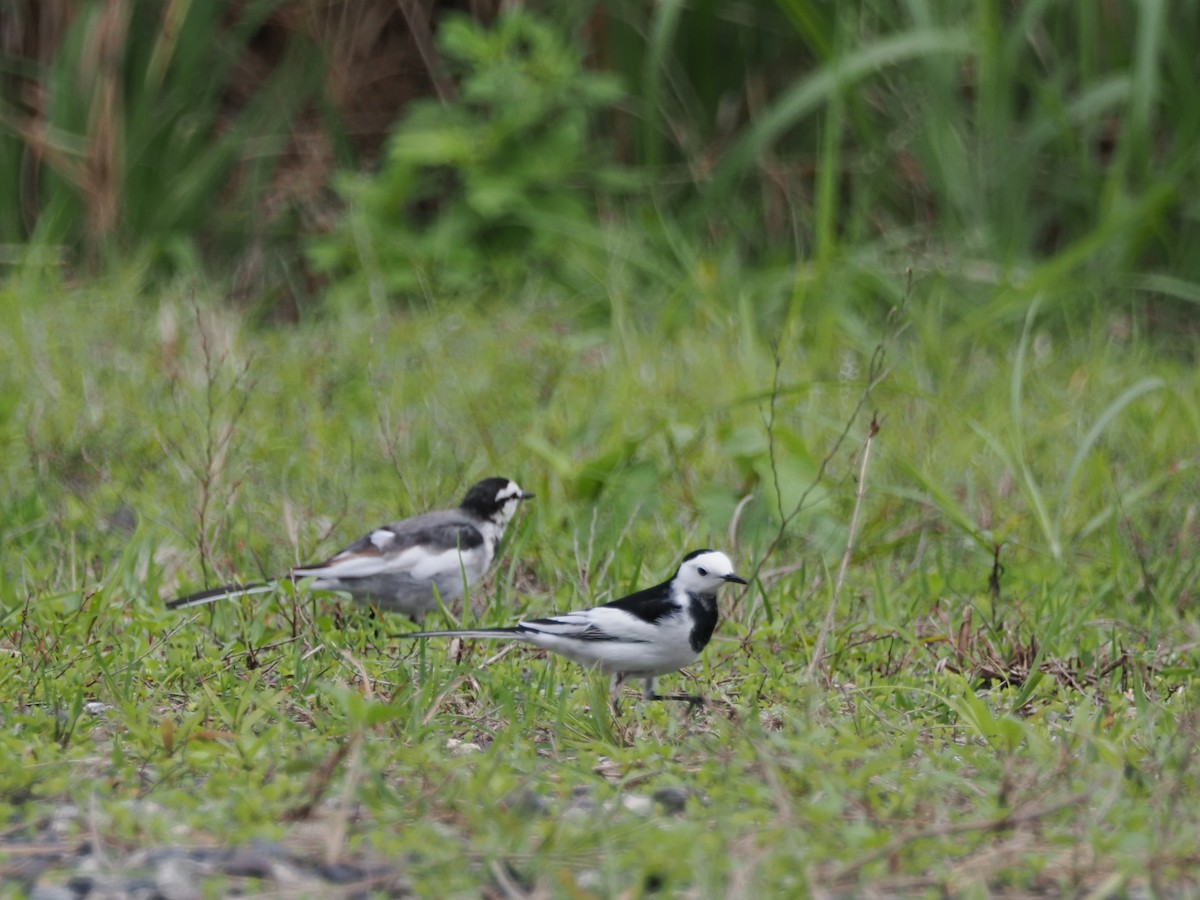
53,870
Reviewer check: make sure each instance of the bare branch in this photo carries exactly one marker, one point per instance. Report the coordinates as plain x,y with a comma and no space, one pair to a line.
877,372
208,457
818,656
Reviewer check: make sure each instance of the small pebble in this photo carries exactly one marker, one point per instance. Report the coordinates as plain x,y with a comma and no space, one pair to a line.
179,879
636,803
672,799
527,802
52,892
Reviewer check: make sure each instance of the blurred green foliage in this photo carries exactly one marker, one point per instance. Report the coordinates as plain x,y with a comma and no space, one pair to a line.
501,184
1020,146
139,134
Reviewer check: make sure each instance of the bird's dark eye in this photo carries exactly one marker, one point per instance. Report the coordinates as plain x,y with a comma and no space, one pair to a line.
702,571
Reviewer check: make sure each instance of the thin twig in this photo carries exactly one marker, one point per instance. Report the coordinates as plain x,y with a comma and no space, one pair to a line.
818,657
386,432
784,518
876,373
737,519
417,19
207,460
318,783
583,565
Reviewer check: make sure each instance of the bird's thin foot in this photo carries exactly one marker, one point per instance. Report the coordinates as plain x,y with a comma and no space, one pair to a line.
694,701
614,693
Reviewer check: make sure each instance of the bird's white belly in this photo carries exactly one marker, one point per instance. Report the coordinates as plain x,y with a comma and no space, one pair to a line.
670,651
408,583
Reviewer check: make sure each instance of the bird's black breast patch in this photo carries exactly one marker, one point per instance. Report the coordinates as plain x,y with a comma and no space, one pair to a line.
704,612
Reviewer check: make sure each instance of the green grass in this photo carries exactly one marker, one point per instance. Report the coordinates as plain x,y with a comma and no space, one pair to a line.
153,439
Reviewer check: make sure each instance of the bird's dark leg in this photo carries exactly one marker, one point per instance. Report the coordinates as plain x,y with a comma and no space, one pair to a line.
694,701
614,692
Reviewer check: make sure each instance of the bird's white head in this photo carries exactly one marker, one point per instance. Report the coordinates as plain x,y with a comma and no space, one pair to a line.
495,499
703,571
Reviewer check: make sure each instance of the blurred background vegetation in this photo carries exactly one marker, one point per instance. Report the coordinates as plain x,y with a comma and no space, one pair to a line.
317,151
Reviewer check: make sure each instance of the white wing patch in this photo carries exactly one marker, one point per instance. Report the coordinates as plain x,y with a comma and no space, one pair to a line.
383,538
422,564
564,625
615,623
635,647
626,627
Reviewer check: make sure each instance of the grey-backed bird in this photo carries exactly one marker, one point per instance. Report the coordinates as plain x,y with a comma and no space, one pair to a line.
646,634
406,566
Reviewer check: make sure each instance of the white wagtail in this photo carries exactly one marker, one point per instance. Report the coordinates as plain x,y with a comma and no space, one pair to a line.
406,566
647,634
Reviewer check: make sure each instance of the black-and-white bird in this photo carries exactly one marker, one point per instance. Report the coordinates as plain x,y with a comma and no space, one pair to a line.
644,635
406,566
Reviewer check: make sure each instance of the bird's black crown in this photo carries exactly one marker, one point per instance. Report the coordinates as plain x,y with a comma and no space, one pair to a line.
482,499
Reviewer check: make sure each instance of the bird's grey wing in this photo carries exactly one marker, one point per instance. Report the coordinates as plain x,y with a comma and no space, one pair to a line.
423,546
599,624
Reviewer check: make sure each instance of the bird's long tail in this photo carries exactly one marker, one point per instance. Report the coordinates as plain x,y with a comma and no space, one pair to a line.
212,595
485,633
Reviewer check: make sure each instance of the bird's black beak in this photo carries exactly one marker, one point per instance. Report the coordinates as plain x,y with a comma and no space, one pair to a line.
736,579
525,495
